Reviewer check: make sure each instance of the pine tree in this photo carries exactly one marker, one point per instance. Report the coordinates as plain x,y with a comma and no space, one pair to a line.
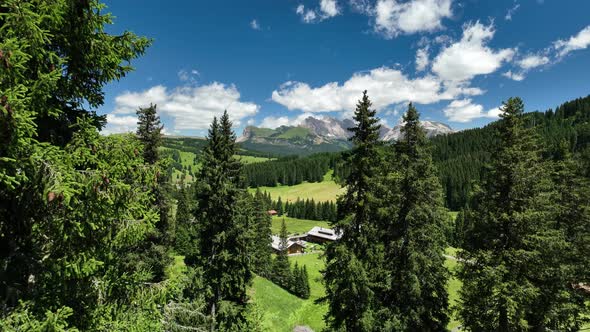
414,237
279,207
281,267
262,239
347,275
149,132
305,288
223,239
507,224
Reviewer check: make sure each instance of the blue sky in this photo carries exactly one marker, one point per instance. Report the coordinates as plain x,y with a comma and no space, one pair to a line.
274,62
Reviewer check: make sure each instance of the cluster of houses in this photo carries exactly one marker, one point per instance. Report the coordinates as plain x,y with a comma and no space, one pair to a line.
297,244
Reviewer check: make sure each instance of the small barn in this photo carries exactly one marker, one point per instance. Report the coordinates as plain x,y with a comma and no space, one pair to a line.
272,212
293,246
322,235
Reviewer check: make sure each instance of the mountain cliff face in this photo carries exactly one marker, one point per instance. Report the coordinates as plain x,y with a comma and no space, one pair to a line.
320,135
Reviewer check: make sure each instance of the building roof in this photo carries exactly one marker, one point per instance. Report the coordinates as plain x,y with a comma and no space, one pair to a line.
324,233
276,243
272,212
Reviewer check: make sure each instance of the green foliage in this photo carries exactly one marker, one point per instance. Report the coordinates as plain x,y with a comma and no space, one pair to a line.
349,261
21,319
413,224
290,170
224,235
516,272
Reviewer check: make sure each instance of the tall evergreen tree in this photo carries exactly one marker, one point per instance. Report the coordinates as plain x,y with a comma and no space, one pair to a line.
413,233
281,267
226,270
149,132
506,226
347,275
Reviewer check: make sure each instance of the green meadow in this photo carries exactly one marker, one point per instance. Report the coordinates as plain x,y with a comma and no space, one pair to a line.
327,190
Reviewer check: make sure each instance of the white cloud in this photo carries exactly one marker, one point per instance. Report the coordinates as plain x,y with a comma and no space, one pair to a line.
511,12
189,76
422,60
532,61
464,110
385,86
300,9
120,124
189,107
275,122
327,9
255,25
469,57
526,64
577,42
514,75
393,17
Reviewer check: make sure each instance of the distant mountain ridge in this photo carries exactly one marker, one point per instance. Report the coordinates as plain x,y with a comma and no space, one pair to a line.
327,129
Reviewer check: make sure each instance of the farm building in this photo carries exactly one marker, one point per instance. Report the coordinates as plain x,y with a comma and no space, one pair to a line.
322,235
272,212
293,247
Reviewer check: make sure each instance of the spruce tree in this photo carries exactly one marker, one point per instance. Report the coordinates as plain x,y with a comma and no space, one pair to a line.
507,225
281,267
149,132
347,275
222,237
413,233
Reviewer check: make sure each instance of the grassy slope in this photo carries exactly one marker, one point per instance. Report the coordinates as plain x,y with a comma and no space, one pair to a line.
252,159
296,226
326,190
294,132
282,310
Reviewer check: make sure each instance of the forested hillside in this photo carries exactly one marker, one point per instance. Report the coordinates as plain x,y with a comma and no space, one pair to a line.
460,157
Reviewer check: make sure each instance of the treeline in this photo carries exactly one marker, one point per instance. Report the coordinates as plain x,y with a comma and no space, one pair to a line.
460,157
523,233
295,280
301,209
290,170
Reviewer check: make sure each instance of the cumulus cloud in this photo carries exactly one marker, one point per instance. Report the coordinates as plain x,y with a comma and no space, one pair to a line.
578,42
393,17
470,56
385,85
327,9
117,124
255,25
464,110
422,60
189,107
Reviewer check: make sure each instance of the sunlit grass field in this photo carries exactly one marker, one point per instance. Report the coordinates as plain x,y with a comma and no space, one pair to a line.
326,190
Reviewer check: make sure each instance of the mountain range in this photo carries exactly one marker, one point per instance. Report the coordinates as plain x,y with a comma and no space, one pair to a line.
324,134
